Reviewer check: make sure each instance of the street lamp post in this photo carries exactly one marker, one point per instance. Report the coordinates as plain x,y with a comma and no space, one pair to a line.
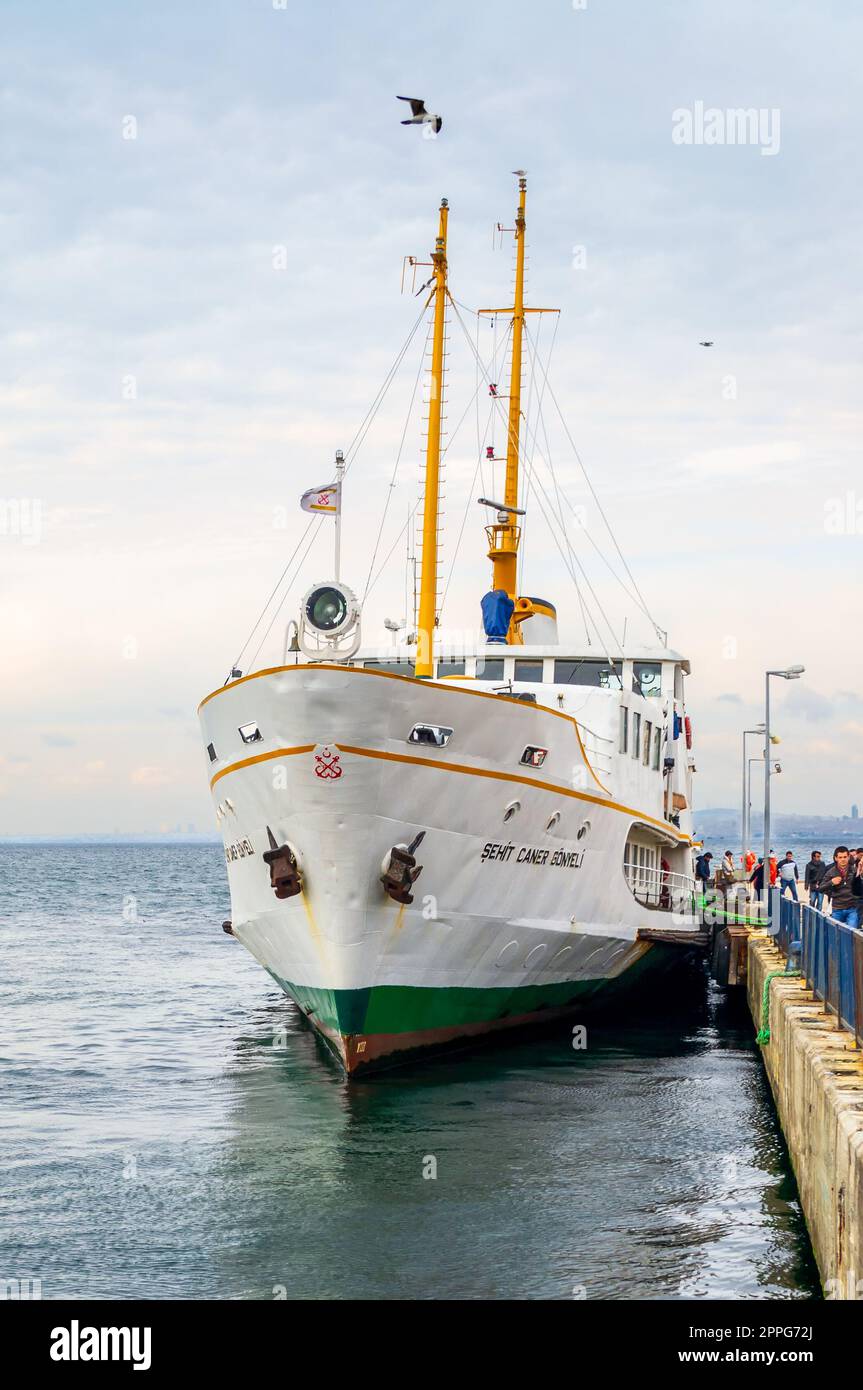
749,762
744,820
791,673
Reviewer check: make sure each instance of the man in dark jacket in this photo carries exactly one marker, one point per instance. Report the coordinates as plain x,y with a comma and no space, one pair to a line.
841,885
756,878
702,870
813,875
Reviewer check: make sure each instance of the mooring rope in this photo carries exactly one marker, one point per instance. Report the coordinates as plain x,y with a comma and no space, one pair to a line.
763,1034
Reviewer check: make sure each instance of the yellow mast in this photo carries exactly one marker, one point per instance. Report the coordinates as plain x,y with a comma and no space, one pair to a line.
424,665
504,536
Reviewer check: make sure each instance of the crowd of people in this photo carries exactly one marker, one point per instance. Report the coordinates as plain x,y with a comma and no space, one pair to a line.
835,887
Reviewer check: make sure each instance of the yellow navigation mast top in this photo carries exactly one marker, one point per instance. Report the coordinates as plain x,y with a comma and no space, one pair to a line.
505,534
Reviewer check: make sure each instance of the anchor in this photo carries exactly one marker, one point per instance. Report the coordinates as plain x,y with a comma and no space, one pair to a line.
285,879
400,870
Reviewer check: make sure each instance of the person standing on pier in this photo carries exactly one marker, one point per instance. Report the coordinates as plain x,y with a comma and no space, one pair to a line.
749,862
812,877
757,878
788,876
842,885
702,871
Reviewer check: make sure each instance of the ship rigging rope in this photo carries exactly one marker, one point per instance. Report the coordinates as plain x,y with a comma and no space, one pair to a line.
533,357
392,481
492,367
273,592
447,446
350,455
292,580
634,597
601,511
541,415
359,438
411,514
567,562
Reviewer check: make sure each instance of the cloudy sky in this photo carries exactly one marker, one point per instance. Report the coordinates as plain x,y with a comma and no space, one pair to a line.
204,212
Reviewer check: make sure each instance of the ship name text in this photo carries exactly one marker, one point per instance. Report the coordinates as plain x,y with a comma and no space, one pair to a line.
240,849
531,854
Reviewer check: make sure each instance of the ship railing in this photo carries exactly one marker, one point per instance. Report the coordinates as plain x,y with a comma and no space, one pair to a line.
602,758
662,889
828,954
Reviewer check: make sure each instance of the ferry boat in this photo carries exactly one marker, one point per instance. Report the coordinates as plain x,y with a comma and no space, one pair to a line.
426,845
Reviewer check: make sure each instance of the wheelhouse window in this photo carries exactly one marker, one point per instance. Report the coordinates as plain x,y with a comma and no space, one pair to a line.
646,678
397,668
600,674
489,668
528,670
657,747
645,743
450,668
636,732
624,728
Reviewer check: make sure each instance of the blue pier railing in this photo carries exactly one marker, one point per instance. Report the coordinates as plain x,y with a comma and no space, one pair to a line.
828,953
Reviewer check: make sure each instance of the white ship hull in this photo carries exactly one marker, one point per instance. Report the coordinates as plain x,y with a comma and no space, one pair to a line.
513,919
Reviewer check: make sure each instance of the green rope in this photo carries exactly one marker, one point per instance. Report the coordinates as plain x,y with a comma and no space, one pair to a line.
763,1034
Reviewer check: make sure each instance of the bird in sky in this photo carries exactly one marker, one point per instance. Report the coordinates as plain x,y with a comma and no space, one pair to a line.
419,115
707,344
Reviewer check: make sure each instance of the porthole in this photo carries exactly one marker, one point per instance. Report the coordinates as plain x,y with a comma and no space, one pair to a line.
583,830
511,810
435,735
553,821
533,756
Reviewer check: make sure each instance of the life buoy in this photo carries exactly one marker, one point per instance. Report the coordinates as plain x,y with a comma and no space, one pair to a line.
687,724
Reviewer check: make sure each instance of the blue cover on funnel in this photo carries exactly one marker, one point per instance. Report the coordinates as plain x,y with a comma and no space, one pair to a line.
497,609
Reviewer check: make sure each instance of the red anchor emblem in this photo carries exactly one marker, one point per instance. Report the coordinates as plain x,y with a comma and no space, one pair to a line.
327,765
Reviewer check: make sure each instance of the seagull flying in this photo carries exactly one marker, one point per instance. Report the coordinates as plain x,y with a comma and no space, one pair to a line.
708,344
419,115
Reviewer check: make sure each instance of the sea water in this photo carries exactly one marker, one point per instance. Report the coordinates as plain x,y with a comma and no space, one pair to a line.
172,1129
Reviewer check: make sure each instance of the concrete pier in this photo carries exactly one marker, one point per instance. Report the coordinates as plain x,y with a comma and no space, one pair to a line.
815,1070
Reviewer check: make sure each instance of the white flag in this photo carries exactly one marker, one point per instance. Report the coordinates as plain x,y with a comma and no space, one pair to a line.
327,499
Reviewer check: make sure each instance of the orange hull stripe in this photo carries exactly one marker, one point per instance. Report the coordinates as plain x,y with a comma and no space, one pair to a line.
391,676
261,758
511,777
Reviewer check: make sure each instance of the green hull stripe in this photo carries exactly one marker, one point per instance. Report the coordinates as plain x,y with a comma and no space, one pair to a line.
411,1009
